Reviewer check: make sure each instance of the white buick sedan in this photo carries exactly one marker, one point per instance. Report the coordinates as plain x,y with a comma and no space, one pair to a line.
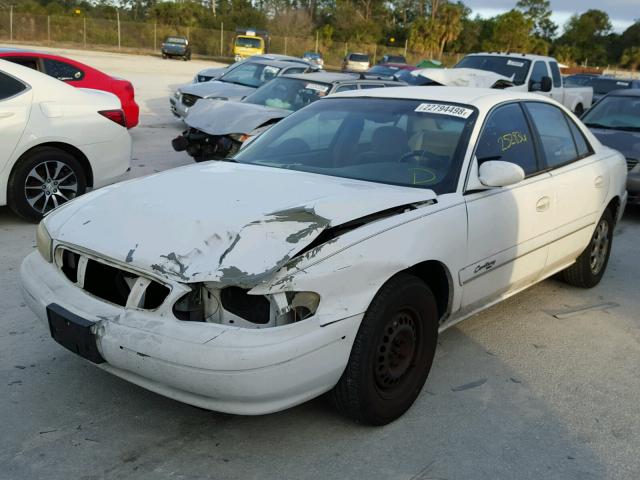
328,254
56,141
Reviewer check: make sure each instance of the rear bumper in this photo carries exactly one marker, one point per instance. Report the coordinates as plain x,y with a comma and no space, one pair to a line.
109,160
132,113
227,369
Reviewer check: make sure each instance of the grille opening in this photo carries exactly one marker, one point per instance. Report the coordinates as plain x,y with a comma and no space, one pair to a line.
108,283
253,308
70,265
154,295
631,162
189,100
190,306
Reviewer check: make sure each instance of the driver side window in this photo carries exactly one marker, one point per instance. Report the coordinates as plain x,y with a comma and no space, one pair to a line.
506,136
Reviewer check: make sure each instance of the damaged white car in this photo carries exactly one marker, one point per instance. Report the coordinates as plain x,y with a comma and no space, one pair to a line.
330,252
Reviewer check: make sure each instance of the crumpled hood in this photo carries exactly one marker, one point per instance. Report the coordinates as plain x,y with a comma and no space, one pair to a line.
219,117
215,88
462,77
221,222
214,72
627,143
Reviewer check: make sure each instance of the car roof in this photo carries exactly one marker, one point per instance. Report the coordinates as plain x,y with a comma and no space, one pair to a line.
511,54
483,98
276,63
625,92
331,77
18,50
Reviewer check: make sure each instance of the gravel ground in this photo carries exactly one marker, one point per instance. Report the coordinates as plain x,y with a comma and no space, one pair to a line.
515,393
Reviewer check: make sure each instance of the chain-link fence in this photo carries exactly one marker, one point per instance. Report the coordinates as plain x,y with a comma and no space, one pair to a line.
81,32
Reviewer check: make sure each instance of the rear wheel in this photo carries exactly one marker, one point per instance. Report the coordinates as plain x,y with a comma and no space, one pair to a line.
164,56
44,179
391,355
592,263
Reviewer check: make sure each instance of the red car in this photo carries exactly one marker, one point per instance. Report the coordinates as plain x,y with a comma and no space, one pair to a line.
79,75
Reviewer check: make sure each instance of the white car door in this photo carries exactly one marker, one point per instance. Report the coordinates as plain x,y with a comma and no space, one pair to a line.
508,227
15,106
580,180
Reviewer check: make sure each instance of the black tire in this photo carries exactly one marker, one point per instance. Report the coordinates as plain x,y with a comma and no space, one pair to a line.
391,355
579,110
592,263
185,58
164,56
24,187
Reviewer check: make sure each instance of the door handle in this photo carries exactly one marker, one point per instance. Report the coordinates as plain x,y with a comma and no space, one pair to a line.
543,204
6,114
599,181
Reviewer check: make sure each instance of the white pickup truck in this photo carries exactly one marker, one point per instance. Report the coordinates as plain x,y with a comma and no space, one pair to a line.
532,73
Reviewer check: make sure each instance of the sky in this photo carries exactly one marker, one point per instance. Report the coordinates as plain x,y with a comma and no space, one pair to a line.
621,12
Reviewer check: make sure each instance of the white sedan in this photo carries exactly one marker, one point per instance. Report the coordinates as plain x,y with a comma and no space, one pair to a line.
329,253
55,140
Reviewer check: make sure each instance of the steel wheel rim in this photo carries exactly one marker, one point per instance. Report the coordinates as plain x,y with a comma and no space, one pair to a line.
49,184
396,351
599,247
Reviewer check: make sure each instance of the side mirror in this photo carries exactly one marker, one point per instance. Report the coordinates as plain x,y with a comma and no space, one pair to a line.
497,173
546,84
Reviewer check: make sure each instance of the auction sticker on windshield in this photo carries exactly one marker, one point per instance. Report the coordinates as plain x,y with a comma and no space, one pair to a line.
441,109
513,63
317,87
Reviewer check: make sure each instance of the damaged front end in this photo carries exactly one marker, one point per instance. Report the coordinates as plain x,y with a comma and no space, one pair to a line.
202,146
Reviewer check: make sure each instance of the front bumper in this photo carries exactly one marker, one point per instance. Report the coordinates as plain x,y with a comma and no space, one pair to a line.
212,366
177,107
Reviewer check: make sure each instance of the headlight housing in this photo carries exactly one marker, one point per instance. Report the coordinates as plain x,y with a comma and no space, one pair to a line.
44,242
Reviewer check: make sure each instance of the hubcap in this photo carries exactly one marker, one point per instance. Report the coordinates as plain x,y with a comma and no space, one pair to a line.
599,247
396,351
50,184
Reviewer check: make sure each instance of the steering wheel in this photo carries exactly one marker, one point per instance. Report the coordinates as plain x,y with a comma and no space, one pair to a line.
418,155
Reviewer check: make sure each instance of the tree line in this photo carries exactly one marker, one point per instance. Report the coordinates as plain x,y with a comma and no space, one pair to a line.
431,27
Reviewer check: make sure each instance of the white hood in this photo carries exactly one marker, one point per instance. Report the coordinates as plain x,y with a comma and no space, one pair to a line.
462,77
221,222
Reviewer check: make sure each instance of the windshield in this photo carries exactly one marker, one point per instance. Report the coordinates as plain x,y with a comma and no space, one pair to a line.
288,93
178,40
395,59
509,67
406,76
602,86
385,71
615,112
251,74
577,81
313,55
358,57
249,42
412,143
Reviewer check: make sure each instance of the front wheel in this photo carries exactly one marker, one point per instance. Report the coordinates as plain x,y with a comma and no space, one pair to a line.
592,263
44,179
391,355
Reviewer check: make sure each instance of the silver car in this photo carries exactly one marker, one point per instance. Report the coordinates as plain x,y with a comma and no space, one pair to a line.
217,129
356,62
234,85
213,73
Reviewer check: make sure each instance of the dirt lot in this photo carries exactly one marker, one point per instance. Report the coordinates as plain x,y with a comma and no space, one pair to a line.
515,393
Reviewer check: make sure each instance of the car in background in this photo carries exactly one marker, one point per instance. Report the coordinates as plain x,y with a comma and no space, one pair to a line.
389,69
234,85
314,57
214,73
398,59
579,79
603,85
329,253
78,75
176,46
615,120
56,140
356,62
531,73
218,129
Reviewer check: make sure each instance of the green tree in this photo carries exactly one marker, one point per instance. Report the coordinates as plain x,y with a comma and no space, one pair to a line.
510,33
539,12
587,34
631,58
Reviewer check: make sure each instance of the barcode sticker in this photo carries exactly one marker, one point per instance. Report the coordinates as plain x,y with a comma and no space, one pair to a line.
442,109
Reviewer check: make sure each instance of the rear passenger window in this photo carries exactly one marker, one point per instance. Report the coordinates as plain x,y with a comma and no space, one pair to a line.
62,71
9,86
506,136
555,136
24,61
364,86
581,143
555,74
